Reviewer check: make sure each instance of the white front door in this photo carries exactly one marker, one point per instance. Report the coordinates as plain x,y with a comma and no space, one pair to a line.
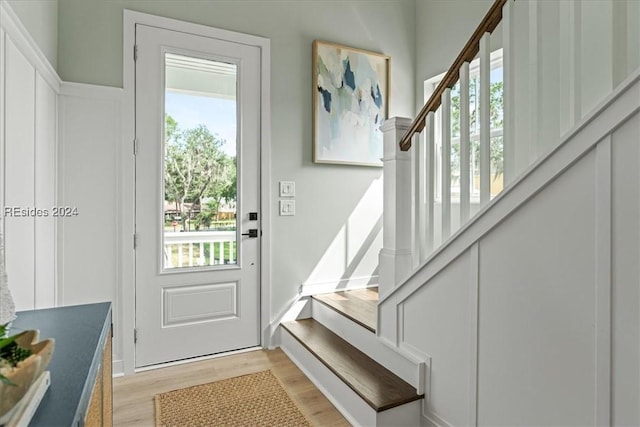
197,195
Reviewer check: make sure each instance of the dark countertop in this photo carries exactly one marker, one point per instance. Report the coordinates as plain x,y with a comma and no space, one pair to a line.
80,333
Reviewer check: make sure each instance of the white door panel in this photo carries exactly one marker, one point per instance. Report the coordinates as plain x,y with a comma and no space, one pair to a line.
197,293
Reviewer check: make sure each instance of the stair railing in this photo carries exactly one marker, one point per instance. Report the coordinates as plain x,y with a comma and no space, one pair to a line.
559,60
422,178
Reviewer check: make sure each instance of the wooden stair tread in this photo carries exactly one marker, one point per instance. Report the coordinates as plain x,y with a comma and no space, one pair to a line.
359,305
374,383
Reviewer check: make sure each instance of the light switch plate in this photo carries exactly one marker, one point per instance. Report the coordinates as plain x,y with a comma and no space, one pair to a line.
287,207
287,189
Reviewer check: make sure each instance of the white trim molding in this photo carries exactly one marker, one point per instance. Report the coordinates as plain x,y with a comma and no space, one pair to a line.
20,36
474,316
29,133
602,403
308,289
298,308
82,90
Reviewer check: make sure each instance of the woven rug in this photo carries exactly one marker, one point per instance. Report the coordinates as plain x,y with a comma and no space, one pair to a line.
249,400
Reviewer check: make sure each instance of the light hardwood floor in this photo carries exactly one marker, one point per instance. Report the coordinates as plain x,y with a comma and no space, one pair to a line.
133,394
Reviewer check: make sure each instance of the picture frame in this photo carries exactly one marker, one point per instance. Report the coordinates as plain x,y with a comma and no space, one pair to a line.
350,103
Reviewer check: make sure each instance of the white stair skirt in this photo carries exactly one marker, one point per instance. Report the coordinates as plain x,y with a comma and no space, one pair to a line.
350,405
367,342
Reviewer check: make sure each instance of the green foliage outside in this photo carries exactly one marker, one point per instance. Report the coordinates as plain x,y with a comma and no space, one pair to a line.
196,168
496,122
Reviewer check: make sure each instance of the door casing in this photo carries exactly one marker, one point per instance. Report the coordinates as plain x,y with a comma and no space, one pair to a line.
125,300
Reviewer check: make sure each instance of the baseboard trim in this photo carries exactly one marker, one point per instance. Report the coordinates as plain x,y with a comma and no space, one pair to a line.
433,419
308,289
117,368
298,308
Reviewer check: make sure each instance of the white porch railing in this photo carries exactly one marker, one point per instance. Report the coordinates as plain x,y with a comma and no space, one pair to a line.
199,248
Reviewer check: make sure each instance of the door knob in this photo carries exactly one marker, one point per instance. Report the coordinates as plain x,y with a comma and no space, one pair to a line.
253,232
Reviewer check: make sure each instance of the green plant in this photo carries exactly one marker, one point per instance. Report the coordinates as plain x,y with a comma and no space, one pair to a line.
10,353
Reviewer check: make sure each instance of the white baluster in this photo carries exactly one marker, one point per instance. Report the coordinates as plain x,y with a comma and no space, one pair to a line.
430,182
422,197
485,119
418,233
508,44
180,254
465,146
570,63
168,255
201,257
446,163
212,258
232,259
190,254
534,81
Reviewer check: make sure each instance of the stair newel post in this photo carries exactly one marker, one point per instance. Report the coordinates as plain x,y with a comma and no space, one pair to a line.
396,255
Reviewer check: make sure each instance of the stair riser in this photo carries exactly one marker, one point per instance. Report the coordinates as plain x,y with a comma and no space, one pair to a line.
352,407
367,342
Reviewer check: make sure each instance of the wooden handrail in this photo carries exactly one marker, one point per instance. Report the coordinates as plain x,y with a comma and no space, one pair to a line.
470,50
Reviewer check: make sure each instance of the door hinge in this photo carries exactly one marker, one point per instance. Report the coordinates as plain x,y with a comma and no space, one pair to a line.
135,52
135,240
135,335
135,146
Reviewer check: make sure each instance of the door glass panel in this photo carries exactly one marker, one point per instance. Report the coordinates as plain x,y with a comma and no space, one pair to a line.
200,180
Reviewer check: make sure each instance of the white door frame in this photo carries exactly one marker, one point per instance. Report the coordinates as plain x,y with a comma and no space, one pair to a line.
126,312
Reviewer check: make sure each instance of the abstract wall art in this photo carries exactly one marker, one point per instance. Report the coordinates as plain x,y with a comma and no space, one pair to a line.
350,103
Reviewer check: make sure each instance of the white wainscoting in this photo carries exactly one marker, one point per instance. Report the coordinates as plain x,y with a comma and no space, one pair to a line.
60,146
28,147
90,149
531,315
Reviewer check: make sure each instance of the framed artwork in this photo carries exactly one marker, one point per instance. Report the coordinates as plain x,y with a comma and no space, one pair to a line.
350,103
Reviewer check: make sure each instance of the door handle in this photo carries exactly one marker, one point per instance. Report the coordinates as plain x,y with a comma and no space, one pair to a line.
253,232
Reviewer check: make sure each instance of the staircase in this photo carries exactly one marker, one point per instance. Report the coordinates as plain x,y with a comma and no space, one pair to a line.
524,296
337,348
517,293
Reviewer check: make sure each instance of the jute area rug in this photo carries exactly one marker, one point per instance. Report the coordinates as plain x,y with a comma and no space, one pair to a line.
249,400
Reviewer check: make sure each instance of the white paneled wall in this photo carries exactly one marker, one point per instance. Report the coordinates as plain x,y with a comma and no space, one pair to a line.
19,175
567,56
90,139
29,145
90,135
531,317
45,192
60,145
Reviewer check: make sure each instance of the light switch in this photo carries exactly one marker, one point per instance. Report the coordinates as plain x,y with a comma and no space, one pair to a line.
287,207
287,189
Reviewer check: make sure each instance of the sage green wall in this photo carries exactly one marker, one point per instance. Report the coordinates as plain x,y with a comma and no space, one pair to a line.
40,18
90,37
444,28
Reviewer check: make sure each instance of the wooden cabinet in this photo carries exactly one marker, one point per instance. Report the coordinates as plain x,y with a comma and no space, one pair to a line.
100,412
80,393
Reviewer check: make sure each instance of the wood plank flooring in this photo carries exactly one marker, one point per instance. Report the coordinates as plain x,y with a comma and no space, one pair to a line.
359,305
133,394
378,386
